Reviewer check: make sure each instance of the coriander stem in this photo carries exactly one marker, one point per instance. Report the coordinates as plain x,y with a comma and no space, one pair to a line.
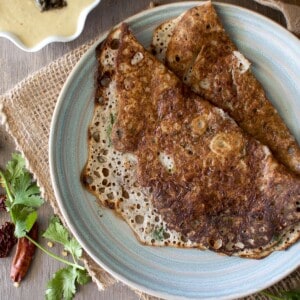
53,255
75,261
10,197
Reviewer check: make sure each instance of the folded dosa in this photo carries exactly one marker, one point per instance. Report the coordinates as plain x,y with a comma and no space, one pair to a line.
207,182
196,48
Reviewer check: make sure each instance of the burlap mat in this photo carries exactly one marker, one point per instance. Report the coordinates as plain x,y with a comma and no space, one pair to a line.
26,112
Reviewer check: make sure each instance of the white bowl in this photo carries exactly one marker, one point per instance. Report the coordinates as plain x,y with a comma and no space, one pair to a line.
25,31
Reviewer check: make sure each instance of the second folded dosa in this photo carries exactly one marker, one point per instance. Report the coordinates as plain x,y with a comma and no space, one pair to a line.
196,47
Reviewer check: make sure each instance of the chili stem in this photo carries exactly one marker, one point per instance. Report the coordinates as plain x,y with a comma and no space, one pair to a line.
53,255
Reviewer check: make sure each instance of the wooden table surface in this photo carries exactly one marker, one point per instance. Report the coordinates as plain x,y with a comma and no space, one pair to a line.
16,65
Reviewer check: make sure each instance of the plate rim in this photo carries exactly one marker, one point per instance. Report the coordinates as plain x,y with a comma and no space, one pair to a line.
279,30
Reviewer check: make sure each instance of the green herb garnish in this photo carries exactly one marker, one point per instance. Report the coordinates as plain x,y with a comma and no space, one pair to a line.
57,233
284,295
23,195
63,283
109,128
23,201
158,234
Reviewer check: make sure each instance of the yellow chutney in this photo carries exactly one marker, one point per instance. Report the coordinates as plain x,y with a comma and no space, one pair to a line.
24,19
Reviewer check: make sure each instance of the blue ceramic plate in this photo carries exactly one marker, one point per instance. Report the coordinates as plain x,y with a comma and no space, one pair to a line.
168,272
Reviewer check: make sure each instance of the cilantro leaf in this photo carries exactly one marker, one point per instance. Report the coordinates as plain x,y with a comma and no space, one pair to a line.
15,167
56,232
26,192
24,218
83,277
23,195
74,248
19,185
62,285
291,295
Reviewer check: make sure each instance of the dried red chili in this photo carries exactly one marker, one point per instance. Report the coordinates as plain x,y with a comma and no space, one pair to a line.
24,255
2,203
7,238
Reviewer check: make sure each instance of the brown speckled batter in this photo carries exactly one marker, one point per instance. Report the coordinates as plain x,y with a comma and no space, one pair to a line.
200,52
216,184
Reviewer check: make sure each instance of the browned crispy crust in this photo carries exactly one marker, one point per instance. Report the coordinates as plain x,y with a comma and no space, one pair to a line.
201,53
226,192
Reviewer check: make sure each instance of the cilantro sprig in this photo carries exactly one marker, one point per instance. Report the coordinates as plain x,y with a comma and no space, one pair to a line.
22,203
64,281
57,233
23,195
284,295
